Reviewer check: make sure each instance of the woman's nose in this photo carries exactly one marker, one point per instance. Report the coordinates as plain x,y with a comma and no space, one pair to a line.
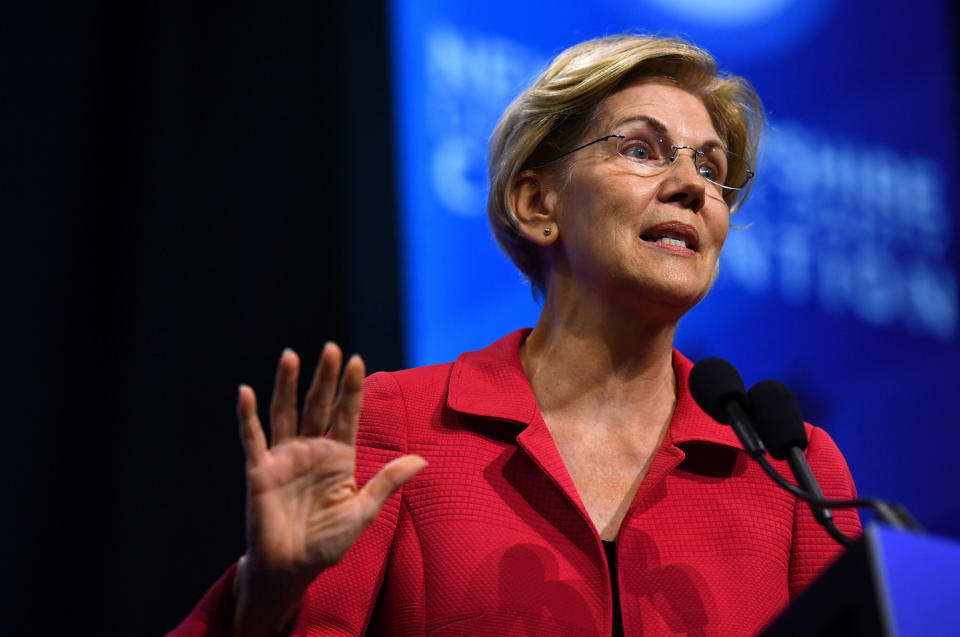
684,184
694,154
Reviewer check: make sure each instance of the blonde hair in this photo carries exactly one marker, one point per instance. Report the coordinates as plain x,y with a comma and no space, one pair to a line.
550,116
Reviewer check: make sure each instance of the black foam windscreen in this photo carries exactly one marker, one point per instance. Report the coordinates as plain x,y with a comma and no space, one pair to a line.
713,383
776,416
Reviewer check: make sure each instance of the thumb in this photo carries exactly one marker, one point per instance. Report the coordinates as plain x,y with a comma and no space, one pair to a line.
387,481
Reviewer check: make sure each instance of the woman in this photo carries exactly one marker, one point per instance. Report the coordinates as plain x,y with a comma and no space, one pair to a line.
574,488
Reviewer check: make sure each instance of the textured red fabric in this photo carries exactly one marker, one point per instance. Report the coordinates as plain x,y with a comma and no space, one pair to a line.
492,538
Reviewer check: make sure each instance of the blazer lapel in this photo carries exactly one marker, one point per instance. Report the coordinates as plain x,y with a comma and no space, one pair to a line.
491,383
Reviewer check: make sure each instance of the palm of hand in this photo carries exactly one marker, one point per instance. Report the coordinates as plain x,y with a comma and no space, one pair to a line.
303,506
304,510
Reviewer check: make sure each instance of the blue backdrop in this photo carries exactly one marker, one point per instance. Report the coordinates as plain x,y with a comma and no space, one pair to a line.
843,283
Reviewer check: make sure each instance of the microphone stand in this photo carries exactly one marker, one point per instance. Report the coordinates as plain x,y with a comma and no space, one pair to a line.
890,513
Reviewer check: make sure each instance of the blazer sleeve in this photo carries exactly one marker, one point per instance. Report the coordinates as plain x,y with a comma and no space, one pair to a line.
341,600
211,617
813,550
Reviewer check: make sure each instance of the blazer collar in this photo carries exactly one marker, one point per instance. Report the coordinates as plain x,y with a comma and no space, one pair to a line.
491,383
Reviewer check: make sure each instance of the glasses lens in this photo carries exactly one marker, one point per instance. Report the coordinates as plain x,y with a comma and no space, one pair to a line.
652,152
644,146
724,169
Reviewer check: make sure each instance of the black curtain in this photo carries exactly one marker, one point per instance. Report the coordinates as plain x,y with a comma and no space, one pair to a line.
186,188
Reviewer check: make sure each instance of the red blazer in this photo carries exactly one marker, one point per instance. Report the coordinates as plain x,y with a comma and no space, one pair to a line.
492,538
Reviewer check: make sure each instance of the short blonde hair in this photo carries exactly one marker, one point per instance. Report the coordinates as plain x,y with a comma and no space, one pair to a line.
552,115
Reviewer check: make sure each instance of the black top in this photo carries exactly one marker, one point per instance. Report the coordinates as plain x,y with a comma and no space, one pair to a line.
610,548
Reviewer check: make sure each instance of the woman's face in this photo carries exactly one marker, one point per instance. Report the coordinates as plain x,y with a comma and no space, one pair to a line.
635,237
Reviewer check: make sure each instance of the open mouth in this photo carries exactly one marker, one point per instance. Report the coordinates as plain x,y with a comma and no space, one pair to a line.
673,234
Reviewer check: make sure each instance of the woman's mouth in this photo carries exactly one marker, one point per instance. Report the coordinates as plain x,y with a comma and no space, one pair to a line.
674,236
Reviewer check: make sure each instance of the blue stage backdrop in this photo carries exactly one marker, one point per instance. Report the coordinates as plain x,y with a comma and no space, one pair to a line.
843,283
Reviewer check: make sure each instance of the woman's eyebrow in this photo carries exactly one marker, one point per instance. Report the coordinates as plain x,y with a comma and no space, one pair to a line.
653,122
661,128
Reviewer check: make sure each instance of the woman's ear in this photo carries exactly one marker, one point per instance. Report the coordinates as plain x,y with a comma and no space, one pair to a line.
535,205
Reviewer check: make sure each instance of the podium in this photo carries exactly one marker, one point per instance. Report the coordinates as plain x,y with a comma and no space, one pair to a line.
890,583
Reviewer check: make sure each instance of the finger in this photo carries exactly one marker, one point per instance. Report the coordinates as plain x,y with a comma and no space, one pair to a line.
394,475
323,389
346,411
283,405
251,431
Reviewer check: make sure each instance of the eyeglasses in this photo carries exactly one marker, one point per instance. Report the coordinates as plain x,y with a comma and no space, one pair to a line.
654,153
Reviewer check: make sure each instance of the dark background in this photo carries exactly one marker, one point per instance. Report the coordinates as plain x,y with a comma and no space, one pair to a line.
186,188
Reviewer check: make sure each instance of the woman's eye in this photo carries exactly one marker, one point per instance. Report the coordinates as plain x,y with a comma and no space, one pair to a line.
713,165
635,151
713,171
643,146
638,148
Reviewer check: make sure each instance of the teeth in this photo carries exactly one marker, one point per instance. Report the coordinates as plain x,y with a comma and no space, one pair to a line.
670,241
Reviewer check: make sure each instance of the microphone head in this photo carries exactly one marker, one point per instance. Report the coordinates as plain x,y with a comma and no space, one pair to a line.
713,384
776,416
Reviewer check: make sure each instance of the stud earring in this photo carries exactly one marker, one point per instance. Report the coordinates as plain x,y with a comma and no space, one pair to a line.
547,231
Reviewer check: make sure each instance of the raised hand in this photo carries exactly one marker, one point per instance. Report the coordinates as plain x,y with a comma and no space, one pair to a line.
303,506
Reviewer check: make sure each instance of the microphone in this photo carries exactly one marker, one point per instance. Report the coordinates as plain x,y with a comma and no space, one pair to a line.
717,387
779,423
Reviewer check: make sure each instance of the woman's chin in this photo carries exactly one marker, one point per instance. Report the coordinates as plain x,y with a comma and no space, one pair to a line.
670,299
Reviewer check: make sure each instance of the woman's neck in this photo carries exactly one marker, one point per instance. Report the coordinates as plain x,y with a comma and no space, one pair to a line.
593,364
